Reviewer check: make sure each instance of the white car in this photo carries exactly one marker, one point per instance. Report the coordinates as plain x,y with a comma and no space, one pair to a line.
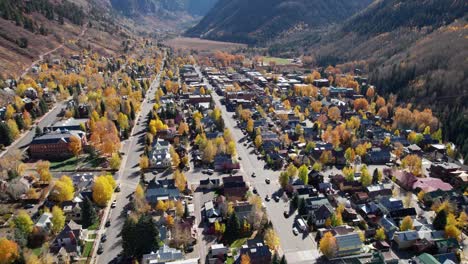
114,203
295,231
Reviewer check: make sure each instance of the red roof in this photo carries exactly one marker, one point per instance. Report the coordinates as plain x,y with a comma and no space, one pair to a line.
431,184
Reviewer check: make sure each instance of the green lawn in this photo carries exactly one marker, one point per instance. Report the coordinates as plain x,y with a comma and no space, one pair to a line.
37,251
92,236
239,242
229,260
87,249
94,226
279,61
65,165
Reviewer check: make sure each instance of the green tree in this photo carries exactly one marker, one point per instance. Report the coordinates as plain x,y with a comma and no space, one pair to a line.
233,226
88,213
284,179
139,238
23,223
440,221
5,135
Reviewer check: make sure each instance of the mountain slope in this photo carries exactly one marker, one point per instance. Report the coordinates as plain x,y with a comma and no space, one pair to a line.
135,7
31,29
256,21
416,49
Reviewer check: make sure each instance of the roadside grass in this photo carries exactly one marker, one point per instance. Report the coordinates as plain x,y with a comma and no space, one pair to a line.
92,236
230,260
278,61
87,249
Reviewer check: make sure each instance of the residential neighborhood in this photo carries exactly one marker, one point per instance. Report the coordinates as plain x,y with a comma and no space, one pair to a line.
193,158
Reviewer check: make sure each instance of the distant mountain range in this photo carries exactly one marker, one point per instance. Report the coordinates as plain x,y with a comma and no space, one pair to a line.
257,21
136,7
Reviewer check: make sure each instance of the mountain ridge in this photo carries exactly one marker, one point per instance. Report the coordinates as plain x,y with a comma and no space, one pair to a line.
258,21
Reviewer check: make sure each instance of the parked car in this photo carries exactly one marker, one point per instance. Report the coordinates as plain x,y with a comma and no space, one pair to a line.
28,206
267,180
295,231
100,250
254,190
276,198
114,203
117,189
267,198
286,214
104,238
108,223
209,171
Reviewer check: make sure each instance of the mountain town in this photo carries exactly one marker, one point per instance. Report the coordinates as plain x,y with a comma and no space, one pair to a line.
171,145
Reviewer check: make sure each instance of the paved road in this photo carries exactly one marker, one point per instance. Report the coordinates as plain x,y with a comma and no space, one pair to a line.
48,119
128,176
298,249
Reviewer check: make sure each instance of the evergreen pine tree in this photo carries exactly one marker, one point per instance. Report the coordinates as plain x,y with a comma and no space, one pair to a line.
5,135
440,221
88,213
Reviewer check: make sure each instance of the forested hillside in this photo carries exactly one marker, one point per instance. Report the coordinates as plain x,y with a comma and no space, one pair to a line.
257,21
416,49
135,7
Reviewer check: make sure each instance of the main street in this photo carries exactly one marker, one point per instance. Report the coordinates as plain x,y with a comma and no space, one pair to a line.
298,249
128,178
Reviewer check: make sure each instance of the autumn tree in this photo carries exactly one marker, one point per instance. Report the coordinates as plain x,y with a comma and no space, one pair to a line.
361,104
451,231
58,219
292,170
413,163
43,169
303,174
284,179
231,149
63,190
122,120
328,245
9,251
370,93
75,146
115,161
406,224
180,180
250,125
334,113
22,221
209,152
380,234
350,155
13,128
271,239
348,173
104,137
366,178
258,141
245,259
174,157
144,162
103,189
